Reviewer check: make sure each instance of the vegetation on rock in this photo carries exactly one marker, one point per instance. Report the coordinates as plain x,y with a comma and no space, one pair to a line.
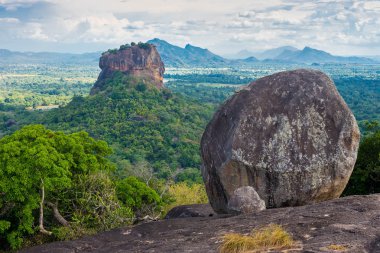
141,45
271,237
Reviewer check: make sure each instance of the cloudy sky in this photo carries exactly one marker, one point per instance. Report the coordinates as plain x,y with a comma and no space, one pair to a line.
344,27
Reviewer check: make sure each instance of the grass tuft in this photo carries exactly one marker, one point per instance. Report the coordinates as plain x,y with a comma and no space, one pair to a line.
337,247
270,237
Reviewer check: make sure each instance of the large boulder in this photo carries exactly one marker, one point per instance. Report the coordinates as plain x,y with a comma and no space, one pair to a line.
290,136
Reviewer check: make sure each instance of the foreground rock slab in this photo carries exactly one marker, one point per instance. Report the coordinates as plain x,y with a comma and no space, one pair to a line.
290,136
352,222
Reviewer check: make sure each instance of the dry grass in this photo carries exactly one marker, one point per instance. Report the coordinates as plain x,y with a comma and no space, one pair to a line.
337,247
270,237
184,194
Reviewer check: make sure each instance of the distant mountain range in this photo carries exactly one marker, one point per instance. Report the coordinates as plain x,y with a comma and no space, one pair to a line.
310,55
195,56
261,55
192,56
11,57
189,56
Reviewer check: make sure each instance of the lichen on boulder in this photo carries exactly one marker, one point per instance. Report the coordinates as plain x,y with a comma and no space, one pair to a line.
290,136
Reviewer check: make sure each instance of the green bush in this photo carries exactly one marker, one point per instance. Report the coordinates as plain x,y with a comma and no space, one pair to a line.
124,47
365,178
138,196
143,45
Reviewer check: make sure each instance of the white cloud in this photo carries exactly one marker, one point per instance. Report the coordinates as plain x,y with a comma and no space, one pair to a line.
12,5
9,20
221,26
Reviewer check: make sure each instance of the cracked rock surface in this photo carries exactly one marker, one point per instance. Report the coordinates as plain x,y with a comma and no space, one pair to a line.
351,222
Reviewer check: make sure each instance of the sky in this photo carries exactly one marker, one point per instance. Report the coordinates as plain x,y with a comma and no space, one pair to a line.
345,27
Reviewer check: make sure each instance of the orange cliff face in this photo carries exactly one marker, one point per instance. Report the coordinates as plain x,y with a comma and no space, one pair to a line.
141,62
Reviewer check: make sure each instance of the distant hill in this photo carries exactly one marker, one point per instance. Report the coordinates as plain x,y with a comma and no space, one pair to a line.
310,55
12,57
261,55
192,56
275,52
185,57
375,57
242,54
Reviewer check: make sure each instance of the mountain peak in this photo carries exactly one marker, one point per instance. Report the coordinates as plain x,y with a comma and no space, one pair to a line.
191,47
275,52
157,41
190,55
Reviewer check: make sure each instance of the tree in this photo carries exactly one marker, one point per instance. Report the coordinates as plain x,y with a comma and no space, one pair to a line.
37,164
365,178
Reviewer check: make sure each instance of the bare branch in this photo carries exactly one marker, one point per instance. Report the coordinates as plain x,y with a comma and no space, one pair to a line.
41,220
57,214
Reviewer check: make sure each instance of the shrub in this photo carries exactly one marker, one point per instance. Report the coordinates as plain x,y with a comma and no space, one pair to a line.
271,237
138,196
190,175
95,204
185,194
124,47
141,87
143,45
110,51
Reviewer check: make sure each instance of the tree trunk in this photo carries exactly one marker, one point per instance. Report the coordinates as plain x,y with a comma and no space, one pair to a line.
6,208
42,229
57,214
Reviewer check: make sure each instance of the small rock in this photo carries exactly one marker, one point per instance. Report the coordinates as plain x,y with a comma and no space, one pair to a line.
246,200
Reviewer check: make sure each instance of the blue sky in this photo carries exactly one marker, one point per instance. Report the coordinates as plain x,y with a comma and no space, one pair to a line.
346,27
